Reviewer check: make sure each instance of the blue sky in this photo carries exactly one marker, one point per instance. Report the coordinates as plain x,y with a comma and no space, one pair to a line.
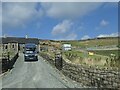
60,21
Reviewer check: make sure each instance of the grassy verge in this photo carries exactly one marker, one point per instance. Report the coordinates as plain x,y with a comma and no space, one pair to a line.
78,57
84,58
114,56
50,54
107,52
83,55
8,53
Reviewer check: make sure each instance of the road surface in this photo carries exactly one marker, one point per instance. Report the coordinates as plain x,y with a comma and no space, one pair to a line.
39,74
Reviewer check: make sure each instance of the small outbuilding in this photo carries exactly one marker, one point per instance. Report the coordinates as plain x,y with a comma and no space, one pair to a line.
66,47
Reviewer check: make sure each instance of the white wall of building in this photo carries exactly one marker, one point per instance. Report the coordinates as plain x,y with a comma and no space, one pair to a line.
66,47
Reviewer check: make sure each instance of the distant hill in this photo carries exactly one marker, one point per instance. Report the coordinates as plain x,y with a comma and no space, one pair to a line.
106,41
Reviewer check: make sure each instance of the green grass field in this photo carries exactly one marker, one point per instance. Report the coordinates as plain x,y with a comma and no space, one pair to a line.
107,52
100,58
83,55
93,43
84,58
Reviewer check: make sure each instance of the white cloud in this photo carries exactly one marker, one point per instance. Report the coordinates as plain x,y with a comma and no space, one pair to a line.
108,35
69,9
63,31
17,14
104,23
62,28
61,0
85,37
71,36
111,5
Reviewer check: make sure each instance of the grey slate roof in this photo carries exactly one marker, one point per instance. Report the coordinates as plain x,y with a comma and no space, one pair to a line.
20,40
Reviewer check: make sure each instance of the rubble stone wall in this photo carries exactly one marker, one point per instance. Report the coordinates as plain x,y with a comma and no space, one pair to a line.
92,76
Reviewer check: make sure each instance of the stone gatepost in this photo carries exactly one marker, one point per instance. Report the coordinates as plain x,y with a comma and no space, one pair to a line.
17,47
39,47
58,61
9,47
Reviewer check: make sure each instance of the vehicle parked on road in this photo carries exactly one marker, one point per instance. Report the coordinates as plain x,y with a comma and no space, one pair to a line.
30,52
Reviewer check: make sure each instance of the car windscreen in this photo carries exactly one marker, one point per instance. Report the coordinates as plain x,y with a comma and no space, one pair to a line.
30,50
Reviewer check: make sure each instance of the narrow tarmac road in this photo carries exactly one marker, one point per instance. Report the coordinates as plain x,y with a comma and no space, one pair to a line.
39,74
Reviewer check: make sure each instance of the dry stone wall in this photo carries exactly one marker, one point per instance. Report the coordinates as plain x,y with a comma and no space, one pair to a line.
92,76
7,63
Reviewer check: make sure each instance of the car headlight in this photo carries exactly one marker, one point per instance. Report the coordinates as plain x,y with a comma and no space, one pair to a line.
35,54
26,55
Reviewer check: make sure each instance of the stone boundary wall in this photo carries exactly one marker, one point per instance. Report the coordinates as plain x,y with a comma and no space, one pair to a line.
47,57
90,76
8,64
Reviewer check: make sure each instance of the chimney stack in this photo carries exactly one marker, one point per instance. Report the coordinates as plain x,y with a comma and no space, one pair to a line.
26,36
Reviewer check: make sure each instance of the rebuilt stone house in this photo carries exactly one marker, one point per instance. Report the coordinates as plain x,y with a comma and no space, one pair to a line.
14,43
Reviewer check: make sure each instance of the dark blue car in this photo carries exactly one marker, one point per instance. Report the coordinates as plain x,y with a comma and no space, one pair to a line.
30,52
